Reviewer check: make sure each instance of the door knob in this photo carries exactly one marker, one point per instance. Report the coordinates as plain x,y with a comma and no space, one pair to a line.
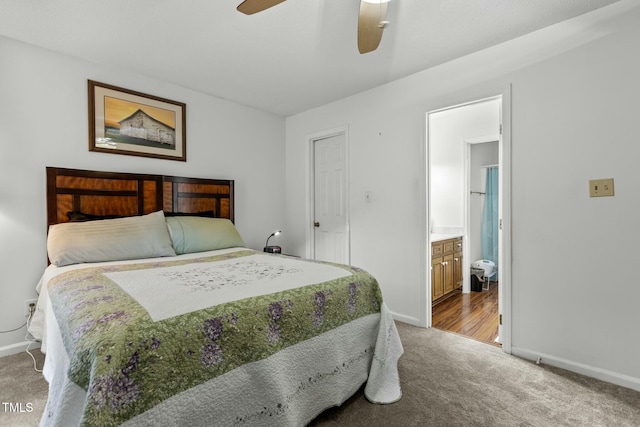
316,224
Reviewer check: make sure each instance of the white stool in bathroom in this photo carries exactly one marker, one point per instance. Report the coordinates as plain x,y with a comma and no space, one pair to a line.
489,268
487,280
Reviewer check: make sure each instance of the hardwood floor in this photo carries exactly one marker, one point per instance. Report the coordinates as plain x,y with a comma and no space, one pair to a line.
474,315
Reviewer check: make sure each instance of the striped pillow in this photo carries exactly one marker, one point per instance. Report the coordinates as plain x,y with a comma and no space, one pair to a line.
109,240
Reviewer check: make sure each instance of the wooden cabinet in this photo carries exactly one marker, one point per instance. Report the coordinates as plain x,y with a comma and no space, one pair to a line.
446,268
457,263
437,278
457,270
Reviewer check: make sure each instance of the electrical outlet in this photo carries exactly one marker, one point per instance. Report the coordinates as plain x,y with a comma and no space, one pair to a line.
27,306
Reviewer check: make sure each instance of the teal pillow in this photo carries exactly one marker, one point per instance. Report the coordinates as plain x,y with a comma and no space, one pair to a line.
198,234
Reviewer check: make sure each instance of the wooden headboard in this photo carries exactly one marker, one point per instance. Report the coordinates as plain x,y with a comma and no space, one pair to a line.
129,194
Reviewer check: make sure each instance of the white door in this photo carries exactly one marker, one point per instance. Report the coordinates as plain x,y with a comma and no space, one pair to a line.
331,242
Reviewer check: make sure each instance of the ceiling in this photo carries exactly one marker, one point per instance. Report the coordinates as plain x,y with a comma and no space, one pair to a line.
293,57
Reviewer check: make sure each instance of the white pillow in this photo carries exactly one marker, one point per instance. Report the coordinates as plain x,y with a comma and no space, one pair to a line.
198,234
109,240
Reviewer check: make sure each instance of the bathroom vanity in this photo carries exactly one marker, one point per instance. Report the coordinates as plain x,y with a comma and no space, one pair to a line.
446,267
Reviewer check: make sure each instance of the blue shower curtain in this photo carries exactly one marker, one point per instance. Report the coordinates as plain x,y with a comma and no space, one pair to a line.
489,233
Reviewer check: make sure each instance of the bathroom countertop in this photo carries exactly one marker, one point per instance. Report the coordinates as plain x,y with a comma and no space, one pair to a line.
437,237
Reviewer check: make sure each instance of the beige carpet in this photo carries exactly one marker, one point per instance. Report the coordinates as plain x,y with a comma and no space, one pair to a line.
23,388
447,380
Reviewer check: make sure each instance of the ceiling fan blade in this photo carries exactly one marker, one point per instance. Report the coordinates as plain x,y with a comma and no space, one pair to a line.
371,23
249,7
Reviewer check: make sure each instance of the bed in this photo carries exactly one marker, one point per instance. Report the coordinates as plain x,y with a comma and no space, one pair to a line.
153,312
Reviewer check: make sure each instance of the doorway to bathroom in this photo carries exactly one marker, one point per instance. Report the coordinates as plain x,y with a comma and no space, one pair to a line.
468,170
475,314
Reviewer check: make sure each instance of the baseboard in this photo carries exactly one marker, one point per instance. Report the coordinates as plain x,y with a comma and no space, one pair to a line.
405,319
16,348
580,368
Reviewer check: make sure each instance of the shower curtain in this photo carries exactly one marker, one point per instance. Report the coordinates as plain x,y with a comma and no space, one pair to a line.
489,233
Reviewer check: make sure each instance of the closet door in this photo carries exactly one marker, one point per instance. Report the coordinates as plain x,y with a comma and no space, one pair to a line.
330,217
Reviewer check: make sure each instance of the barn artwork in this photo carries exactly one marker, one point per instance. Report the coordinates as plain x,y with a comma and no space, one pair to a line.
127,122
143,126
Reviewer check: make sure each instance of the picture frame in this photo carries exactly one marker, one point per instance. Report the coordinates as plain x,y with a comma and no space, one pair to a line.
123,121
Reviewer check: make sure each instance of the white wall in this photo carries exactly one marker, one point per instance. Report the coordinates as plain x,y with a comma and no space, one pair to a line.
43,122
448,131
575,92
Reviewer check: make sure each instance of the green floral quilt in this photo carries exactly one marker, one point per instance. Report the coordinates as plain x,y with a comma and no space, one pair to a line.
128,363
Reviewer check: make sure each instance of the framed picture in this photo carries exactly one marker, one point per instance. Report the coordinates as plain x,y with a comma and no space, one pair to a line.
123,121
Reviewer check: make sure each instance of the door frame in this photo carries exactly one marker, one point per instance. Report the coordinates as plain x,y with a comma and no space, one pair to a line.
310,213
504,156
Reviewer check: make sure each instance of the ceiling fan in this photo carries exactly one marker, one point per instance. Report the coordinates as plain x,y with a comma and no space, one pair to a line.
371,19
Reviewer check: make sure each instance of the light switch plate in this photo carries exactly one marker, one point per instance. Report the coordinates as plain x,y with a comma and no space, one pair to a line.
601,187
